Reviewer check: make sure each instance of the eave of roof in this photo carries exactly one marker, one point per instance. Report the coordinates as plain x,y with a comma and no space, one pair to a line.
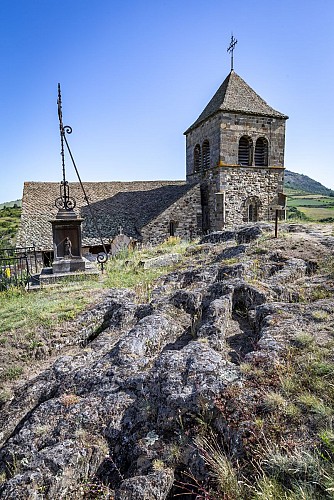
236,96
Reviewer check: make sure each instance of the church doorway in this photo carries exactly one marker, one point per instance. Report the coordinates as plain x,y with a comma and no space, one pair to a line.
172,227
205,209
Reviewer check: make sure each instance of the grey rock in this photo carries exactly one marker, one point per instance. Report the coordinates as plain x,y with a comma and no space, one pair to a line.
247,296
231,252
190,301
218,237
182,379
231,271
141,376
154,486
328,241
214,322
248,234
162,261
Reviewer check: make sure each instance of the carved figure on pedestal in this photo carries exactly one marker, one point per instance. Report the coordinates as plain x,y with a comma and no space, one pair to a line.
67,247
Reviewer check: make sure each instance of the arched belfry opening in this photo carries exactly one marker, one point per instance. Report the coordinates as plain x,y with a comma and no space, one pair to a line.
205,209
261,152
206,154
197,158
245,151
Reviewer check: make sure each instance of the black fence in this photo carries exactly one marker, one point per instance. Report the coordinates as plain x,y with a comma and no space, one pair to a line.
17,265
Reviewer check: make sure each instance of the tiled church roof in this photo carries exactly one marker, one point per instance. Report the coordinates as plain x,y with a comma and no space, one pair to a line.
131,205
235,95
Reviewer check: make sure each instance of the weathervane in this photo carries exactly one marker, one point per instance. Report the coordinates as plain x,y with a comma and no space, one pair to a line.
230,48
64,201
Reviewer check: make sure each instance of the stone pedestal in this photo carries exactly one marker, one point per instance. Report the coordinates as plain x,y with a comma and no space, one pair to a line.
66,231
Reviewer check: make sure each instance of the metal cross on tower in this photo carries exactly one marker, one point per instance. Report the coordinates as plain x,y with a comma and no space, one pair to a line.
230,48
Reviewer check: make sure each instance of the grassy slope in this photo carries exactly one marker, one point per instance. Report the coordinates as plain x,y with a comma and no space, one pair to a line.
9,223
31,322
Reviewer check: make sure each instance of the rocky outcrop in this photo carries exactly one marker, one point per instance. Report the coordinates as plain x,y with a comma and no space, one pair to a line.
122,413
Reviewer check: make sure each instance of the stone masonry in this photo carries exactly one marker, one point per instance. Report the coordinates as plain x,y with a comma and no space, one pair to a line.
185,214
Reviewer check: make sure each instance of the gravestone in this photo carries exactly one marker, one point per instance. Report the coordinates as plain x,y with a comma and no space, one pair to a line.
121,242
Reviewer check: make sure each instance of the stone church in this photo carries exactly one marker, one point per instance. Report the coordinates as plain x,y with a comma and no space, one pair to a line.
234,174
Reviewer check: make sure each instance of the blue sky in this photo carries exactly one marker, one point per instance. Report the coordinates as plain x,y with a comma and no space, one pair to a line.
135,74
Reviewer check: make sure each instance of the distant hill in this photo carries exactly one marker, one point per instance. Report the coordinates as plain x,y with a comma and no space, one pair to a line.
10,204
302,182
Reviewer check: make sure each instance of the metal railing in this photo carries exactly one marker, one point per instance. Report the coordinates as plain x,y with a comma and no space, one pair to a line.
17,265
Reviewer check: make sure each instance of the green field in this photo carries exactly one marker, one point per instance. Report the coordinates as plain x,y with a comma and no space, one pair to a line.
311,202
314,207
318,213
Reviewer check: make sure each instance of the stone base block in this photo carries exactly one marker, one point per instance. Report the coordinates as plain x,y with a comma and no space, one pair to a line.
68,266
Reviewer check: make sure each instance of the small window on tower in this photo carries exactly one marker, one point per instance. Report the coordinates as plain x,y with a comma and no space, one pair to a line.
206,154
261,152
172,227
197,158
245,151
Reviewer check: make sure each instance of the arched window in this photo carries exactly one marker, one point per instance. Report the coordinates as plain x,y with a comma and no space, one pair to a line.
252,209
261,152
206,154
245,151
197,158
252,213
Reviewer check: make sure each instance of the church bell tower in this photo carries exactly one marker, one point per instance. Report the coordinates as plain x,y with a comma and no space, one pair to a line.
235,150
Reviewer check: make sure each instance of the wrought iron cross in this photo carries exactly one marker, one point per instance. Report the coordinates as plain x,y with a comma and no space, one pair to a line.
230,48
64,201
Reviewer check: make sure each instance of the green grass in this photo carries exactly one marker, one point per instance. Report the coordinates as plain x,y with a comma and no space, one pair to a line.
288,446
126,270
33,322
44,308
30,321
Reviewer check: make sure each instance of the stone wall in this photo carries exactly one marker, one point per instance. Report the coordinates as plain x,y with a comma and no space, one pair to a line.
242,183
186,215
228,189
224,130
